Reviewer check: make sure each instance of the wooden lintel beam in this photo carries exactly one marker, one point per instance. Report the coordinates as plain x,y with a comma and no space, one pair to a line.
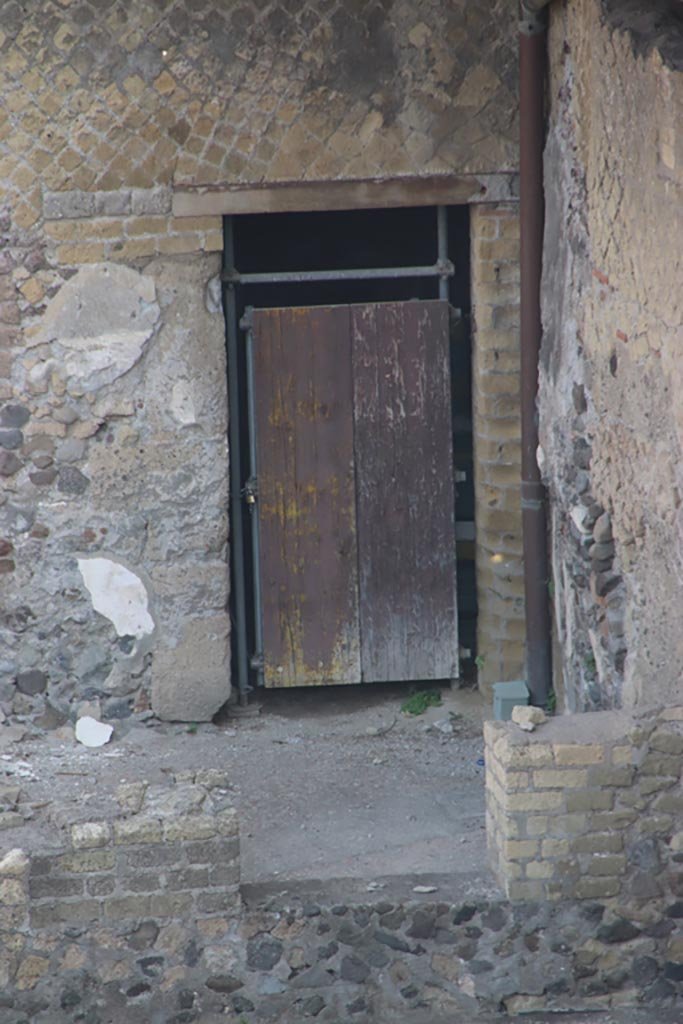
302,197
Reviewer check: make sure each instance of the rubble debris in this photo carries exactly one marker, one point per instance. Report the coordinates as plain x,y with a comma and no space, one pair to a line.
527,718
92,733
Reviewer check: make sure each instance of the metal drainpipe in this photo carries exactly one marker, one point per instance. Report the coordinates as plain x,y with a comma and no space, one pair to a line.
532,61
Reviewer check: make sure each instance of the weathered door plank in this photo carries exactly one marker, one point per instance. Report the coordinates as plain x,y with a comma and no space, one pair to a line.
405,491
309,566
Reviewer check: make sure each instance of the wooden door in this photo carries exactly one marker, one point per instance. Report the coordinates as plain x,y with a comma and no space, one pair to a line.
356,497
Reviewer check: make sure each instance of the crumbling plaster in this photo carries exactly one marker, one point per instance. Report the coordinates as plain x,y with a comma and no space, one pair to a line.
131,545
610,421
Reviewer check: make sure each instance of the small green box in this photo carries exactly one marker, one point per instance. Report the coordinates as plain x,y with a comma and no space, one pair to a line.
506,696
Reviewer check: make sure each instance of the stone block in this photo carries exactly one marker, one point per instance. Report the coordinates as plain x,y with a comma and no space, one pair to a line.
55,888
12,892
176,904
590,800
656,825
188,878
597,888
99,886
191,681
150,201
612,776
546,801
669,803
537,824
555,848
189,827
598,842
674,714
14,864
607,864
113,204
227,822
540,869
227,874
72,204
516,849
612,820
153,856
138,830
574,754
30,971
526,890
127,907
85,862
524,1004
219,902
535,755
660,764
655,784
142,881
556,779
515,781
44,915
90,834
666,742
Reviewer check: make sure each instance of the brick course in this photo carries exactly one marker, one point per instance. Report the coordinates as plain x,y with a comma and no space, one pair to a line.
497,453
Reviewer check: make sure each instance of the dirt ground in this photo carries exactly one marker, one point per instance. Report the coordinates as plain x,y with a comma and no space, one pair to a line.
330,784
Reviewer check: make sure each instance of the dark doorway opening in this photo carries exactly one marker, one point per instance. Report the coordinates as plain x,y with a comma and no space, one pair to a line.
276,243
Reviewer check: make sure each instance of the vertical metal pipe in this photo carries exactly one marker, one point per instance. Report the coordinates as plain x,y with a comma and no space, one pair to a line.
253,511
237,532
442,247
532,58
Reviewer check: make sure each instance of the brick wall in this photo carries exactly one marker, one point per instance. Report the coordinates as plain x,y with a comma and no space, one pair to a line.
589,807
138,916
122,906
497,449
124,225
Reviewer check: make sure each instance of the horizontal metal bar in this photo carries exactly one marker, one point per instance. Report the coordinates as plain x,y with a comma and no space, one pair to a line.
443,268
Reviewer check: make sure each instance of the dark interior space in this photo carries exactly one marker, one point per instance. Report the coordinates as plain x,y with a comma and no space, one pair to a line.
275,243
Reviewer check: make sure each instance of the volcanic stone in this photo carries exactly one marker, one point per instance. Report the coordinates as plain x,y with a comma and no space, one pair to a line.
14,416
31,682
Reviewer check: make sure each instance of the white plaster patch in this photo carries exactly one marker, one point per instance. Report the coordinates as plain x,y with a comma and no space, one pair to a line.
118,594
214,295
92,733
99,323
182,404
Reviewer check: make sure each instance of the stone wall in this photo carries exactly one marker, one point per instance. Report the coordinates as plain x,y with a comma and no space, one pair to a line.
138,915
114,504
610,375
138,912
113,511
497,451
113,917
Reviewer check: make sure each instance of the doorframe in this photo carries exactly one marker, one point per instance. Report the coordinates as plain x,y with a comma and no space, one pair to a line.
241,493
